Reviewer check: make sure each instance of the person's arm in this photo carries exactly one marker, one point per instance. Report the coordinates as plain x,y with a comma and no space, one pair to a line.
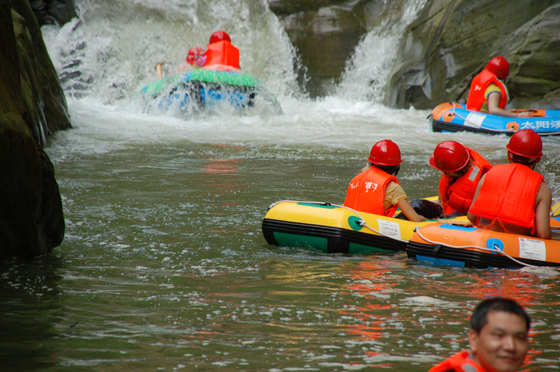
494,107
542,212
409,212
471,217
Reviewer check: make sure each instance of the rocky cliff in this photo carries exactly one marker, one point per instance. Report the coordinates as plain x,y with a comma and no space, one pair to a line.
32,105
449,42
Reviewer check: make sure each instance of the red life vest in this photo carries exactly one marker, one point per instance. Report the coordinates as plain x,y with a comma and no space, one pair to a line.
460,362
508,194
366,192
478,87
222,56
458,195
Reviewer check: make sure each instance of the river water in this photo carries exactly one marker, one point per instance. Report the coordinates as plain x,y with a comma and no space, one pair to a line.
164,266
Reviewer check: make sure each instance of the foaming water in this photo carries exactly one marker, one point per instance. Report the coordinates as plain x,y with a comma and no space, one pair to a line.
369,68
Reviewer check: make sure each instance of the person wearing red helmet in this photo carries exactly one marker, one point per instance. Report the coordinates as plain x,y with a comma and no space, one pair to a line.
376,189
195,59
462,169
513,197
219,36
488,93
221,54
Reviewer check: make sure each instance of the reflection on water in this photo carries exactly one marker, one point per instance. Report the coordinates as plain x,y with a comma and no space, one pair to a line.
164,267
31,306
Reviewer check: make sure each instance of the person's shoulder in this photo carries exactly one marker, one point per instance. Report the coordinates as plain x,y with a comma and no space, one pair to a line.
392,185
492,88
544,191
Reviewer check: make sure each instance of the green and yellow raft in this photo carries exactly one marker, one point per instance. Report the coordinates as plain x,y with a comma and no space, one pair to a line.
202,88
331,228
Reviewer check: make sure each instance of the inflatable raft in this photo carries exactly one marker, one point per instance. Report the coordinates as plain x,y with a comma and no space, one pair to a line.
331,228
199,89
467,246
454,117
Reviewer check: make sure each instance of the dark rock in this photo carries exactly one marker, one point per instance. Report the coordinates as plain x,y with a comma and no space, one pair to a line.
324,40
31,104
53,11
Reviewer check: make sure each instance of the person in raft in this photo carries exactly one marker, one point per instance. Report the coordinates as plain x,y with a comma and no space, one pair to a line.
498,339
488,93
376,189
513,197
195,59
462,169
221,54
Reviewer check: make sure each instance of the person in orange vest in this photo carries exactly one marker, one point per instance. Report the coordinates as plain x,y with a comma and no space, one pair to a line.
376,189
488,93
498,339
513,197
221,54
195,59
462,169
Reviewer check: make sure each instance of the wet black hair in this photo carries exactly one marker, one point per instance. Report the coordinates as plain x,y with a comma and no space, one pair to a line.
479,316
393,170
523,160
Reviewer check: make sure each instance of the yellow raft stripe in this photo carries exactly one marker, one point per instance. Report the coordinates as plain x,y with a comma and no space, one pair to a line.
337,217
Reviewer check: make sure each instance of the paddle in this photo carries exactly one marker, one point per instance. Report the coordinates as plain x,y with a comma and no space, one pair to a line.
158,68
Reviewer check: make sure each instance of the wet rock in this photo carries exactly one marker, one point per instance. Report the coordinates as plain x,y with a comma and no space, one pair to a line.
441,51
452,40
32,104
53,11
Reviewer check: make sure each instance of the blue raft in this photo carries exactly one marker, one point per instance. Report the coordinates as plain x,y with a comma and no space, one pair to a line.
454,117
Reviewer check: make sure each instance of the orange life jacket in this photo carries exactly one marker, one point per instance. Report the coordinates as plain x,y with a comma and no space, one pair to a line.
366,192
458,195
222,56
460,362
478,87
508,195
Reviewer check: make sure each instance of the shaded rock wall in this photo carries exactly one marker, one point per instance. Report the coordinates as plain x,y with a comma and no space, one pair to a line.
53,11
326,32
31,105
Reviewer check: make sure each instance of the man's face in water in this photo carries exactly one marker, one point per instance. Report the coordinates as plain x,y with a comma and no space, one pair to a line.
502,343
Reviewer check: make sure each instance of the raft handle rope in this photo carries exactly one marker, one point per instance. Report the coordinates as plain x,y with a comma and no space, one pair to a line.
494,250
361,222
465,119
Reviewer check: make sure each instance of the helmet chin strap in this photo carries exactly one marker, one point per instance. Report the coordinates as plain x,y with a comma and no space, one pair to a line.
396,171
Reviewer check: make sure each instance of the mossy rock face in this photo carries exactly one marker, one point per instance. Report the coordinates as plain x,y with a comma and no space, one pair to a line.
452,41
32,104
441,51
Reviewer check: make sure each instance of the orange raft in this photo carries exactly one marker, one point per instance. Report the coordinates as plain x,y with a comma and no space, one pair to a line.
467,246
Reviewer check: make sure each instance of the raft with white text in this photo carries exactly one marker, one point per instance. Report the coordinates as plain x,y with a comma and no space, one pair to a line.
454,117
331,228
468,246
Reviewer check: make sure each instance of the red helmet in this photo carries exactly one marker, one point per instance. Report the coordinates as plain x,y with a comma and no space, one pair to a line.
385,152
449,156
219,36
499,66
526,143
194,54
